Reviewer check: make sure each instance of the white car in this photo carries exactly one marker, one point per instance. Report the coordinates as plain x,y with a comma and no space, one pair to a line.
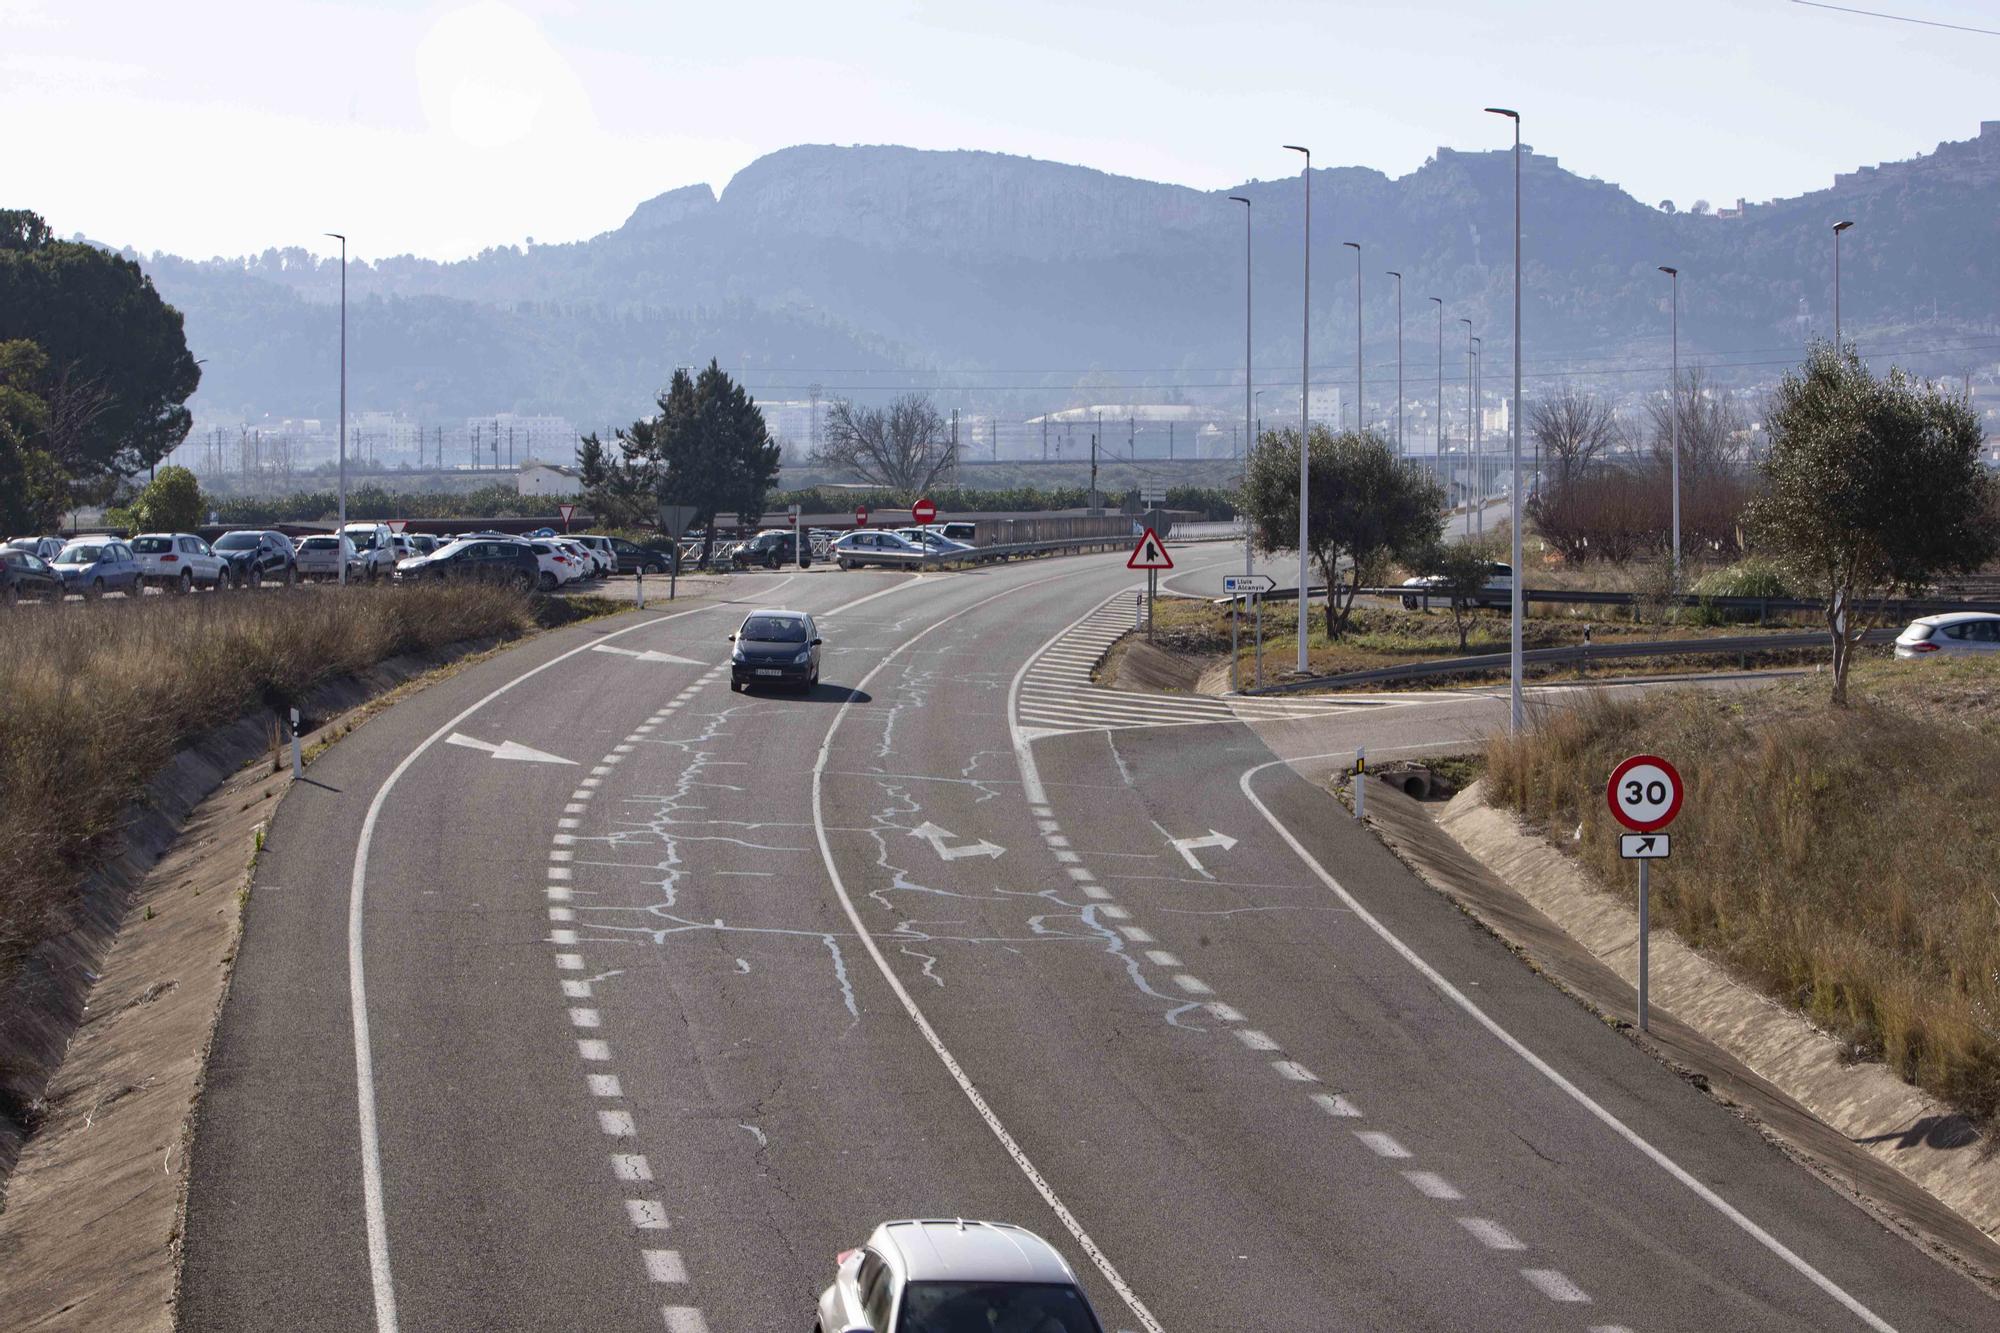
943,1276
321,556
586,559
177,561
377,547
558,566
1957,632
1498,590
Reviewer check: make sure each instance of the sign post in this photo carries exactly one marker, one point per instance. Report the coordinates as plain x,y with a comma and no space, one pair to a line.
673,522
799,543
1241,588
1150,555
1644,794
568,512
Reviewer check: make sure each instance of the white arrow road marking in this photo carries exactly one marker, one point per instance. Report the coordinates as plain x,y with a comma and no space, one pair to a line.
647,656
1186,847
506,750
936,836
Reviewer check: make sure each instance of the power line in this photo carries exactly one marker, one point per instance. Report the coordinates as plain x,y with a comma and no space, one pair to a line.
1898,18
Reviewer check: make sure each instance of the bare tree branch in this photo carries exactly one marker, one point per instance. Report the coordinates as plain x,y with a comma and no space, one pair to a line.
903,447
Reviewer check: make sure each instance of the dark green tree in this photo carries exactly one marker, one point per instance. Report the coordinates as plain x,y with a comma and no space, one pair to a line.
1873,487
171,502
119,372
1459,573
1364,504
707,448
33,489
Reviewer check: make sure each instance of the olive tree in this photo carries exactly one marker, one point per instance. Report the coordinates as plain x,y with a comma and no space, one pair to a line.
1873,487
1364,506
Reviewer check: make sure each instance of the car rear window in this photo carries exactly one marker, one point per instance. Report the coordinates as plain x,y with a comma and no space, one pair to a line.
1918,633
152,545
948,1307
317,544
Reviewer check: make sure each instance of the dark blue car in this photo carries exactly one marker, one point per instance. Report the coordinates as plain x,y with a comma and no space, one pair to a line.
94,566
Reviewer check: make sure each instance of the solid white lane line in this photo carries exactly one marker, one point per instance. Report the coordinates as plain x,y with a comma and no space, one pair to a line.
631,1166
1035,796
647,1214
1336,1105
665,1266
1382,1145
1491,1234
1552,1284
1432,1185
1549,1071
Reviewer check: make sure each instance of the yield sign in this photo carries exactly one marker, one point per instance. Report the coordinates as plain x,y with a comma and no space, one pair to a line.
1150,553
506,750
397,524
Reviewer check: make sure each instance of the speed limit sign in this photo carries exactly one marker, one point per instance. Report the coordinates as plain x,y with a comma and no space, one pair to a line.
1644,793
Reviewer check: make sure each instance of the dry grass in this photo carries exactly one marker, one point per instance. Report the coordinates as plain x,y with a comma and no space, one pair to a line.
1842,860
99,696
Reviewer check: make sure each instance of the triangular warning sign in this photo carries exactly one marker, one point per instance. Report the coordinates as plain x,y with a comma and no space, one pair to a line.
1150,553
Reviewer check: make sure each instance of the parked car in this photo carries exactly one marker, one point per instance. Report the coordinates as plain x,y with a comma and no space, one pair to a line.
770,548
956,530
632,558
376,545
585,558
94,566
25,574
775,648
42,548
177,561
944,1276
1956,632
255,557
1498,590
495,558
321,555
554,563
422,543
875,547
933,541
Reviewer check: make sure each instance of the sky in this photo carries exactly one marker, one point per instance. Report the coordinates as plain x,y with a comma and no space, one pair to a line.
223,127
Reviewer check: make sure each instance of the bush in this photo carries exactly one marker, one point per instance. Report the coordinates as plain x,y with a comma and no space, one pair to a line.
1745,578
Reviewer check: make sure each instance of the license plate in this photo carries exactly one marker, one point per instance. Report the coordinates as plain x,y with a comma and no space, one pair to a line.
769,671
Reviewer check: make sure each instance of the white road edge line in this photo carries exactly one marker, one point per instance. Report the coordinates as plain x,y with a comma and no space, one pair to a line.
1548,1071
936,1043
357,989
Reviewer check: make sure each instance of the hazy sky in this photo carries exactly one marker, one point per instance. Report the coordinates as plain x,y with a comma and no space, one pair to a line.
224,126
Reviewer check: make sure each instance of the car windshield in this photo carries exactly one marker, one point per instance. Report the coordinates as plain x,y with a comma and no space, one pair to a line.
79,555
237,541
993,1307
153,545
774,629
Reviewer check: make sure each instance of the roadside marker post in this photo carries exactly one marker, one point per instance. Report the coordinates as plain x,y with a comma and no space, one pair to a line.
1360,781
1644,794
800,546
298,766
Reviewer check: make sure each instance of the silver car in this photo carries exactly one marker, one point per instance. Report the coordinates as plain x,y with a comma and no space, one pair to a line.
876,547
943,1276
320,556
933,541
94,566
1956,632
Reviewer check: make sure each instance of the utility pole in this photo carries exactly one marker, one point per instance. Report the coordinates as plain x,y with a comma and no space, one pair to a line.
1474,487
1478,431
1093,472
338,558
1674,408
1442,478
1360,398
1838,228
1517,709
1399,361
1045,437
1305,410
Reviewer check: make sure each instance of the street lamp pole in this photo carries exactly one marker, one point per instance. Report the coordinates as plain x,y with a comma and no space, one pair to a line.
1473,487
1674,276
1360,417
1478,441
1838,228
1399,361
1443,478
341,536
1305,409
1249,440
1516,712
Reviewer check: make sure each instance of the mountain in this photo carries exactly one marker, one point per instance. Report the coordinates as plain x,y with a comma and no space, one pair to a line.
875,266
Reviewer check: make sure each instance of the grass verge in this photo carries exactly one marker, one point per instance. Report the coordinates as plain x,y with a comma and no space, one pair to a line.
99,697
1842,860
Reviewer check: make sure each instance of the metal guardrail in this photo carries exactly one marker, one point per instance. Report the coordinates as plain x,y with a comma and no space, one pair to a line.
1763,606
981,555
1741,645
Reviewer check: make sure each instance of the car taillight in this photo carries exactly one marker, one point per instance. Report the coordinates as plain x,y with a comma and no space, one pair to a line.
1921,647
168,559
844,1256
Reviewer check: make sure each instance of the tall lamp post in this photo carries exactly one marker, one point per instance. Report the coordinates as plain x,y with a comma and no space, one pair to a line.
1472,488
1249,440
1399,361
1838,228
1674,411
1360,417
339,555
1442,477
1516,716
1478,434
1305,406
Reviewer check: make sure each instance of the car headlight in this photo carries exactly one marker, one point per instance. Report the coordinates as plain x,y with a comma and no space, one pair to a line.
805,656
736,655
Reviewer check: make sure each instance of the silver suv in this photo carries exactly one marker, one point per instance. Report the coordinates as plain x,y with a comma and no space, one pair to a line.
376,546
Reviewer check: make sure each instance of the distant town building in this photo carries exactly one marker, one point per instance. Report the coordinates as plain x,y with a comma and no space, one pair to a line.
505,439
538,478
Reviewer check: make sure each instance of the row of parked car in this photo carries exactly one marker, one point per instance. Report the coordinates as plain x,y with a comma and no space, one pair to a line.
50,568
889,547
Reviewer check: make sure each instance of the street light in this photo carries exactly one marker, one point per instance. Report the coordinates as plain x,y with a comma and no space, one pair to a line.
1248,401
1838,228
340,536
1478,434
1515,715
1360,423
1442,478
1473,489
1399,361
1305,405
1674,275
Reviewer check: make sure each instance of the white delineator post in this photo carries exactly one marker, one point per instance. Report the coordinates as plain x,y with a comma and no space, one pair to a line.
298,762
1360,780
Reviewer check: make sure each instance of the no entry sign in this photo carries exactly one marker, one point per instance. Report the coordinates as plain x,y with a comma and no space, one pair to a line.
923,511
1644,793
861,516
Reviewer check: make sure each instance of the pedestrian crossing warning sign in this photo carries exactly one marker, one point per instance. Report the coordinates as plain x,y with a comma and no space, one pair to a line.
1150,553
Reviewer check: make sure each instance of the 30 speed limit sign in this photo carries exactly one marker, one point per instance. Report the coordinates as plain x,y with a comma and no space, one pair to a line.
1645,793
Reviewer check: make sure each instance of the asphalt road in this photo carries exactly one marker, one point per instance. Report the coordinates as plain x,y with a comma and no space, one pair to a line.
647,1035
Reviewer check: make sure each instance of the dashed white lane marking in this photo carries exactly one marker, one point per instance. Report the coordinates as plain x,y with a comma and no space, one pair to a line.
647,1214
1491,1234
584,1018
1554,1285
576,990
562,914
562,856
1432,1185
604,1085
617,1124
1382,1145
562,937
1161,958
1193,985
1335,1104
1223,1013
684,1319
1136,934
1609,1328
665,1266
557,893
570,962
1550,1072
1294,1071
567,823
631,1166
1096,891
1254,1039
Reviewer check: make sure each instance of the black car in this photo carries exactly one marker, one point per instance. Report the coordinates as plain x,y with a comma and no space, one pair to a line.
497,559
255,557
25,575
770,548
775,648
635,559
